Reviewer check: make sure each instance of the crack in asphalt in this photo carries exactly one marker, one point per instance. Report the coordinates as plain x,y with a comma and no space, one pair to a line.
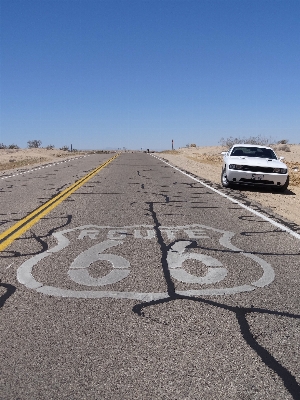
240,313
39,239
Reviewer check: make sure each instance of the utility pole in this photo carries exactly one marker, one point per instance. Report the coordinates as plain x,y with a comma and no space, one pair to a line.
172,144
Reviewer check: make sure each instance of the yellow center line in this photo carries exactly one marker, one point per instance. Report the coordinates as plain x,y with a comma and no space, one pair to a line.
18,229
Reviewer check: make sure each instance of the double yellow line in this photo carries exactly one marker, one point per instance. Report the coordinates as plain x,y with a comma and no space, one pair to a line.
7,237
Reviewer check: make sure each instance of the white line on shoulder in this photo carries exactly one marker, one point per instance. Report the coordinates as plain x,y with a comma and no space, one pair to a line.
277,224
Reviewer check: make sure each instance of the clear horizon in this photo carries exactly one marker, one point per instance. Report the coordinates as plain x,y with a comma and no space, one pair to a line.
137,74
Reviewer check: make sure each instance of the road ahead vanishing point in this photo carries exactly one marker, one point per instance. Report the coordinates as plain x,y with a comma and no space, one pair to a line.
123,277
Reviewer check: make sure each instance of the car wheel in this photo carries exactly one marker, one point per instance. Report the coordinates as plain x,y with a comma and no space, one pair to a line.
285,186
225,182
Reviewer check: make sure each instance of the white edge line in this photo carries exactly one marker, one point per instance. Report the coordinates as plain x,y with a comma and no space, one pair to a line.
277,224
46,166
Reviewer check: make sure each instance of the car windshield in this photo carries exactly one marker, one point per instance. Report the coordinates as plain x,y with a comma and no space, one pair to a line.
260,152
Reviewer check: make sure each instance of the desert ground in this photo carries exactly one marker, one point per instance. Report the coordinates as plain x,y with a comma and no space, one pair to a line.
11,159
205,162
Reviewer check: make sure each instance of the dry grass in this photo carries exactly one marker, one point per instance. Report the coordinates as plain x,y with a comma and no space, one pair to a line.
19,158
207,159
170,152
294,171
21,163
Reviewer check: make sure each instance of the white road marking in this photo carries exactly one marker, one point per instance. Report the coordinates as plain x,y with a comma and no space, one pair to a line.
46,166
138,235
79,273
177,255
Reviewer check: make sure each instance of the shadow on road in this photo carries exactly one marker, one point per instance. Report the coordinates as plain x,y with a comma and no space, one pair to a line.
240,313
10,290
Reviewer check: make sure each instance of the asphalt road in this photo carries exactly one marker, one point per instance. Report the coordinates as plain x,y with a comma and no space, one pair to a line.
144,284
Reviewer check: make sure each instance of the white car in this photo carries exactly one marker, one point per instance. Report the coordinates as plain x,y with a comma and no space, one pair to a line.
253,165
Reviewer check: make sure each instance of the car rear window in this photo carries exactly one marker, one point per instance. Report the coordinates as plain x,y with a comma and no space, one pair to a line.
253,152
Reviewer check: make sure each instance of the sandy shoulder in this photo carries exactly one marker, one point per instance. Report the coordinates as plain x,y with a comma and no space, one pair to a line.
206,162
11,159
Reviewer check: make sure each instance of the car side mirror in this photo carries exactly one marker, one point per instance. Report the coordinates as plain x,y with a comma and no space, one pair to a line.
224,153
281,158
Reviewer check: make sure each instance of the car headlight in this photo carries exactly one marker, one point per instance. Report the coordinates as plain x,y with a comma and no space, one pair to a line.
280,170
235,166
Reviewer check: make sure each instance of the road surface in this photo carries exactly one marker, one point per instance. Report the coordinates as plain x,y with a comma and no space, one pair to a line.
141,282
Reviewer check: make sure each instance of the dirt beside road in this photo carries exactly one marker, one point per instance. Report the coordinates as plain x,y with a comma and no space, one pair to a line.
206,162
18,158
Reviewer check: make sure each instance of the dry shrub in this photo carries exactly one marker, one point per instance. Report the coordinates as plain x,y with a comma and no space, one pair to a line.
283,147
294,172
295,178
34,144
21,163
169,152
283,141
259,140
213,159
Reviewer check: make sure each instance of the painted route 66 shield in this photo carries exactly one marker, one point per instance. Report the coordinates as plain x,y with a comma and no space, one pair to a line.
107,261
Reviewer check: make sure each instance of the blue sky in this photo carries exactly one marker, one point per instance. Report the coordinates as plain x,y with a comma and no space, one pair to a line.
137,74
